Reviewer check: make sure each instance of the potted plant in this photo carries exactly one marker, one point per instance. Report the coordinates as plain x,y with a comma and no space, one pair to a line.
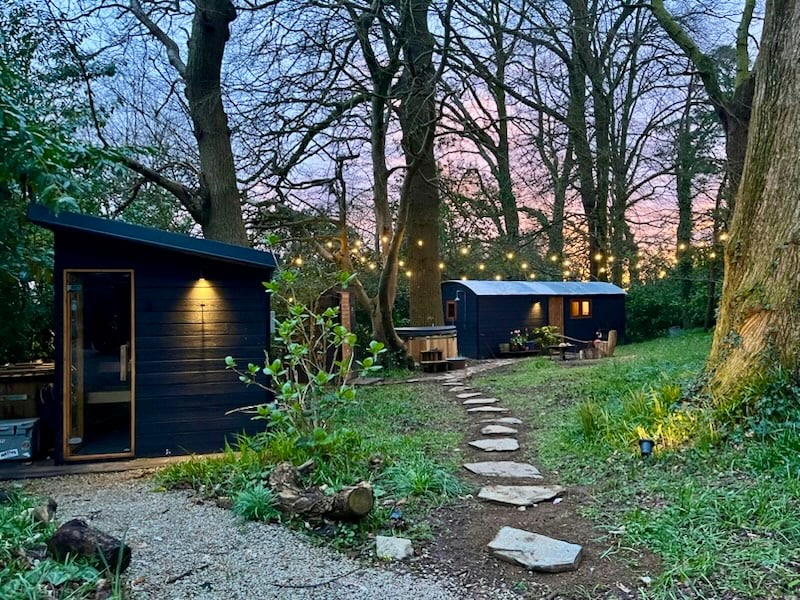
517,340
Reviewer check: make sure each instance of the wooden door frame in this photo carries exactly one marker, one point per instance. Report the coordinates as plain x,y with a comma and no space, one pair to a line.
555,304
66,361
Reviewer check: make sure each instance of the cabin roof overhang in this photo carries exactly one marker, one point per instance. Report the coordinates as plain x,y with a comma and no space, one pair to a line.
148,236
540,288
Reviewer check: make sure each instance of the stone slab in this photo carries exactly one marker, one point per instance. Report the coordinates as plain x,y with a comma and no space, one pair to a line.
504,468
487,409
496,444
453,383
480,401
498,430
460,388
534,551
506,420
393,548
468,395
520,495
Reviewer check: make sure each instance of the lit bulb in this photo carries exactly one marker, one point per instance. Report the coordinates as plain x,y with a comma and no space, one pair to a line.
384,238
510,256
441,266
408,273
723,237
681,246
358,243
464,250
713,255
298,261
566,273
371,266
481,267
463,278
602,270
662,274
524,266
402,263
420,242
498,277
532,275
329,244
610,259
567,263
598,256
554,258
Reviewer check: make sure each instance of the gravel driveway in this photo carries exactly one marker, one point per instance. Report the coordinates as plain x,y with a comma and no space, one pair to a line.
183,548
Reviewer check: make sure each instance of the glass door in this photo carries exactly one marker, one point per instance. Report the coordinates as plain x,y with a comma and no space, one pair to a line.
98,408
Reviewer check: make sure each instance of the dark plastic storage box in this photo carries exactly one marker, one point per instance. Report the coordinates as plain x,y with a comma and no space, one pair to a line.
19,439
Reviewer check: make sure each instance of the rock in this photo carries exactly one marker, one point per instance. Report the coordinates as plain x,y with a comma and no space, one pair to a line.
504,468
520,495
225,502
453,383
486,409
46,512
498,430
393,548
506,420
496,444
534,551
468,395
79,539
480,401
459,388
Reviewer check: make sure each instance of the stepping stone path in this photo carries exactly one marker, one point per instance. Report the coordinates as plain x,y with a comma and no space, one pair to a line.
498,430
520,495
496,444
480,401
528,549
534,551
506,420
504,468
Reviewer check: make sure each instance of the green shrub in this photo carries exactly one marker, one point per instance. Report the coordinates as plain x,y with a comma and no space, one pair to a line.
256,503
420,476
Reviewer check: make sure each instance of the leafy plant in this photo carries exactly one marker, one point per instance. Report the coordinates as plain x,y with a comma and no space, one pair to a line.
257,502
421,476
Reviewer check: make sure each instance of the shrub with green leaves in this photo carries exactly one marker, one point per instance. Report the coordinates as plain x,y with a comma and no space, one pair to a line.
257,502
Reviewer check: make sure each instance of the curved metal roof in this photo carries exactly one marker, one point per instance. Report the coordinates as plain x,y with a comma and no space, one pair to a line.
540,288
176,242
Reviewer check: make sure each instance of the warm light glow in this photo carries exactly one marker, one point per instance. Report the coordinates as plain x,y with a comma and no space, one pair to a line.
610,259
329,244
408,273
510,256
682,246
384,238
358,243
532,275
441,266
601,270
640,254
662,274
567,273
298,261
463,278
638,266
464,250
713,255
371,266
498,277
524,266
723,237
598,256
554,258
481,267
402,263
567,263
420,242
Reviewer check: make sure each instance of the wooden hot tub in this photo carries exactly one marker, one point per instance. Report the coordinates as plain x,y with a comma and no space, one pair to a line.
421,339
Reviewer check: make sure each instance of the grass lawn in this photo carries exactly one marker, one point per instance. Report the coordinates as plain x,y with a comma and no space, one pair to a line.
720,505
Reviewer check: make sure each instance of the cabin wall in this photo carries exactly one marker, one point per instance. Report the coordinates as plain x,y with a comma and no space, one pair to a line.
185,326
607,312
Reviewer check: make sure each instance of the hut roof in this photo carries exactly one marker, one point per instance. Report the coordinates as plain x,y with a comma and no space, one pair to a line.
176,242
540,288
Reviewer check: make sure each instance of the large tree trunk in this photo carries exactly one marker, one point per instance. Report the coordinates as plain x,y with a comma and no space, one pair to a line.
221,213
758,326
418,120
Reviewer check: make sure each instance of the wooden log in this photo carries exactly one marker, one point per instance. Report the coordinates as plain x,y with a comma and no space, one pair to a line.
351,503
77,538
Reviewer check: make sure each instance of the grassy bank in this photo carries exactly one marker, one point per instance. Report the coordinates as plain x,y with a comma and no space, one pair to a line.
718,501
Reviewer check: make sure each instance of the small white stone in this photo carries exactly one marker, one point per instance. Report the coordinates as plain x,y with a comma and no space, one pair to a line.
496,444
393,548
468,395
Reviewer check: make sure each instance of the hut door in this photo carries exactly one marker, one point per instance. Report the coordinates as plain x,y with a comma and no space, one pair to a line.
555,312
98,364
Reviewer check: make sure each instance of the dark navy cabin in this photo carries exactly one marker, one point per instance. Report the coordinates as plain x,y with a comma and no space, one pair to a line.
144,320
485,312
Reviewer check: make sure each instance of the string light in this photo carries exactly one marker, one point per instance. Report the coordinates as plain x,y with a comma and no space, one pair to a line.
464,250
510,256
371,266
524,266
640,254
420,242
532,275
601,270
554,258
567,273
401,263
481,267
463,278
441,266
567,263
408,273
598,257
610,259
662,274
682,246
359,243
384,238
298,261
329,244
713,255
498,277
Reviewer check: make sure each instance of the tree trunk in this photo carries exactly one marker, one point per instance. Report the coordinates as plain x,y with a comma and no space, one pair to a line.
221,212
758,328
420,191
351,503
684,173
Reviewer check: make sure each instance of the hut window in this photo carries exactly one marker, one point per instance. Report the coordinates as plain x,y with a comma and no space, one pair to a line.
580,309
452,310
